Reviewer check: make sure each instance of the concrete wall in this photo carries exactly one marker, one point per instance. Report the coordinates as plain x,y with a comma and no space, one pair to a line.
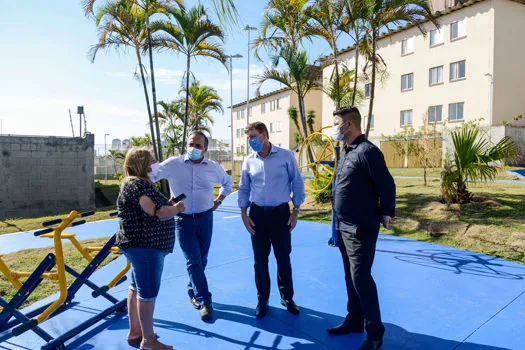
45,175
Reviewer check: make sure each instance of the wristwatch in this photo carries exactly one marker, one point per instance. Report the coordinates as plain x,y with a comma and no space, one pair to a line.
298,210
219,202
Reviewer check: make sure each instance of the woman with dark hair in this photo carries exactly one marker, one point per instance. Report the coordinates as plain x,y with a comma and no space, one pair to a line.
146,235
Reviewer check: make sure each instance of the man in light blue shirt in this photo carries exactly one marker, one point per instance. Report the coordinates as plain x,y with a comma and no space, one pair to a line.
270,179
195,176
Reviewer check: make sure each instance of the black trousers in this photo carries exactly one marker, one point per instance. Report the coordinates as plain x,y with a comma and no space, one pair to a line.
358,251
271,229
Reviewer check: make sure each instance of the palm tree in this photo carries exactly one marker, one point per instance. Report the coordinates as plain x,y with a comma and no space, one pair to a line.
474,159
120,26
347,95
300,77
353,24
329,21
382,15
224,9
170,118
203,100
192,34
286,22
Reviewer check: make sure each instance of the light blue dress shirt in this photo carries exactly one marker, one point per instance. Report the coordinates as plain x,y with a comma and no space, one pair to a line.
270,181
195,180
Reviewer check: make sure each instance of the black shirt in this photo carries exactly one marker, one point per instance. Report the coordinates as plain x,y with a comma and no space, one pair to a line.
364,189
138,229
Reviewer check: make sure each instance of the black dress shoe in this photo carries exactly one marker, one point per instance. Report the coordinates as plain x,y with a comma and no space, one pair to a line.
206,312
261,309
347,327
290,306
195,303
371,344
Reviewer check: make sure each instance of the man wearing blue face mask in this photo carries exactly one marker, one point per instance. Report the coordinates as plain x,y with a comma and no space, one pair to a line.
195,176
269,177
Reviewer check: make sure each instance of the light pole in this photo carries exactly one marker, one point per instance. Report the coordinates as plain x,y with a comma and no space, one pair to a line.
248,29
231,57
491,86
105,160
80,111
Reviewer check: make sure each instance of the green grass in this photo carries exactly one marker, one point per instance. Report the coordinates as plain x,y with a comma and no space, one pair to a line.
28,259
493,224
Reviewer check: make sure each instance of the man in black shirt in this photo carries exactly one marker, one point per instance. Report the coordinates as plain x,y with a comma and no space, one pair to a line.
364,197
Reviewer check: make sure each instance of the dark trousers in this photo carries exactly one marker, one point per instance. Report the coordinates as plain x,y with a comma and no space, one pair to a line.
358,251
271,229
194,236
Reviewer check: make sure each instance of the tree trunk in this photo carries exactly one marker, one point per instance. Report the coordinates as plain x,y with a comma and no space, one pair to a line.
354,92
303,115
337,78
373,87
153,90
147,103
425,175
185,128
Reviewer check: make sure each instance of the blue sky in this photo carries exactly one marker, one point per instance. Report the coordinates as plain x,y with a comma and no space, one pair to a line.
45,71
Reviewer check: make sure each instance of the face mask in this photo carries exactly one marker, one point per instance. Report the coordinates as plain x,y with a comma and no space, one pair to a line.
336,132
194,153
154,170
256,144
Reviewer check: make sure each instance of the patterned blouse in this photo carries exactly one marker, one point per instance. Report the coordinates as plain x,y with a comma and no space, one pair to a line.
138,229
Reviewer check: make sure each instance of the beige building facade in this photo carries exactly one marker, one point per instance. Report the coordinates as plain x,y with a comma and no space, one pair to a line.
446,76
272,110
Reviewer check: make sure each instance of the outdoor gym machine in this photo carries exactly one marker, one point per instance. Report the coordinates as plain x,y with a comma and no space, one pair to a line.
14,322
319,156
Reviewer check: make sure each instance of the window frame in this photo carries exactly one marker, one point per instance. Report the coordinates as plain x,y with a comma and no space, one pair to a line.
411,118
435,121
411,80
462,112
442,42
458,70
430,76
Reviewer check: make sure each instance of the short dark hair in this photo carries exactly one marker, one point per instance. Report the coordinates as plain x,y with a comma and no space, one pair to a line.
350,113
206,141
259,126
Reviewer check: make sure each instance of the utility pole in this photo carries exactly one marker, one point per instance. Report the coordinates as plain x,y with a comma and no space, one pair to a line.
248,29
231,57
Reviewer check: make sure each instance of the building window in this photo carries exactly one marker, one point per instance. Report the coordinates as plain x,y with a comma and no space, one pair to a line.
435,114
242,149
407,46
406,118
436,75
250,112
238,115
407,81
458,30
263,108
272,105
372,122
436,37
457,71
455,111
367,90
238,150
271,127
279,104
278,127
242,114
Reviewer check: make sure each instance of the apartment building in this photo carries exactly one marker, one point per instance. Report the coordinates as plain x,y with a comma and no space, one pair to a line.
272,110
468,68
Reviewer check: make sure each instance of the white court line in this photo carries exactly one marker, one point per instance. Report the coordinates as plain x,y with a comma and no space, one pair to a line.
231,217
